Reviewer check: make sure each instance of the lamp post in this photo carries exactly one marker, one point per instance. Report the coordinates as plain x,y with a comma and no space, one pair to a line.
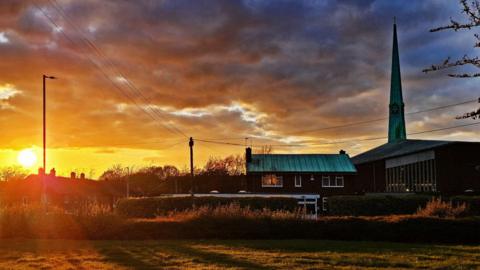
45,77
44,187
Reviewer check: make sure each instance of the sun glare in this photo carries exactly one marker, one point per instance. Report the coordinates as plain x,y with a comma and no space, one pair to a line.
27,158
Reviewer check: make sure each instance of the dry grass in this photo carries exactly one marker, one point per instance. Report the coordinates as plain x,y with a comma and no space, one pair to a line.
442,209
230,222
270,254
39,221
229,211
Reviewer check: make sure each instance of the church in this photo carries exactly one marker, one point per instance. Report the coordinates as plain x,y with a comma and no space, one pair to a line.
405,165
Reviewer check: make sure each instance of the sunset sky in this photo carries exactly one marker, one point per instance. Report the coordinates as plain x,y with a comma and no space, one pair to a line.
137,78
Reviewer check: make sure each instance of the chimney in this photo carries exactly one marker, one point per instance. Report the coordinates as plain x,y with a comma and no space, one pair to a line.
342,152
73,175
41,171
82,176
53,172
248,155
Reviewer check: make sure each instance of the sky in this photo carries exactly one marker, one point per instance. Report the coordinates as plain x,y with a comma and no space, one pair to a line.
136,79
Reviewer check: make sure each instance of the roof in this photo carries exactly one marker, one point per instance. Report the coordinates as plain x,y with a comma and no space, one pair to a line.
310,163
400,148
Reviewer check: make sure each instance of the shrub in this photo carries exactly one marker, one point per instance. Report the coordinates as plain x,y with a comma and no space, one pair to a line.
231,211
161,206
37,221
442,209
232,222
375,205
473,203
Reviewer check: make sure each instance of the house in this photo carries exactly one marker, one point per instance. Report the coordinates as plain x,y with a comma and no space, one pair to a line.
69,193
406,165
322,174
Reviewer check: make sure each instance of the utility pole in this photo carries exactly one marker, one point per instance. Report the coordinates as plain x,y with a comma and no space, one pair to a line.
45,122
44,191
190,143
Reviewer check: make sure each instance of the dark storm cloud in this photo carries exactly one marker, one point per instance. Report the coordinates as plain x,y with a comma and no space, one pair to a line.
302,64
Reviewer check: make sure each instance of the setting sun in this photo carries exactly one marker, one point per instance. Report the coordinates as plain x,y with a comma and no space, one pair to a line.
27,158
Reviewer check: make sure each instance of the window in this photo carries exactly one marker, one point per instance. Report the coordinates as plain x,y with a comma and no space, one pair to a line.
298,181
325,204
414,177
339,181
325,181
272,180
328,181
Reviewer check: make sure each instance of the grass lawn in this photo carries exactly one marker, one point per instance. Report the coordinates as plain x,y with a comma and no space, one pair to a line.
232,254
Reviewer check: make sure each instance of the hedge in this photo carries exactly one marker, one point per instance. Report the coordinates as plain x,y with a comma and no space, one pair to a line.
155,206
382,205
377,205
29,222
404,229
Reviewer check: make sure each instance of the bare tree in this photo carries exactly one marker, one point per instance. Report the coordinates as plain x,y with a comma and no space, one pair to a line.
116,172
472,12
170,170
12,173
265,149
231,165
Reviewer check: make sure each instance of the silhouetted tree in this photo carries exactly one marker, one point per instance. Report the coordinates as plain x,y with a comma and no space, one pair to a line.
265,149
116,172
12,173
231,165
170,170
145,181
472,12
156,171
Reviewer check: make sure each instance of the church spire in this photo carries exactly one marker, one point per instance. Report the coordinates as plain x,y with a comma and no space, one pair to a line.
396,124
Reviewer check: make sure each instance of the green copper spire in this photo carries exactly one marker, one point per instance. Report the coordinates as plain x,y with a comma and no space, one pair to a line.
396,124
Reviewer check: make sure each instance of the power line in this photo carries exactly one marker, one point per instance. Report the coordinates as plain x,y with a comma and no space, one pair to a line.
243,145
139,143
414,133
354,123
385,118
106,75
219,142
345,141
172,128
113,66
446,128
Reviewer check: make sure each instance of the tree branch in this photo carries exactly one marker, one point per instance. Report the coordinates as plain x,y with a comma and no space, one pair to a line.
461,62
465,75
474,115
473,13
469,10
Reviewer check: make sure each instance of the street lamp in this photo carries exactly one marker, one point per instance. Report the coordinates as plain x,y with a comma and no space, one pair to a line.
45,77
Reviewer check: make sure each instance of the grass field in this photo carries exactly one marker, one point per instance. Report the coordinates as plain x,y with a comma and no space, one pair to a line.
273,254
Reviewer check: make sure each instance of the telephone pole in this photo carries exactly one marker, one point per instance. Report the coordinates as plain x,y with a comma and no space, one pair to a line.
190,143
